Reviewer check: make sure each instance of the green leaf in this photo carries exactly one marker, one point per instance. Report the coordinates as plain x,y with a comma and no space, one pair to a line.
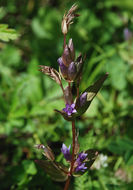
91,93
29,167
7,34
56,171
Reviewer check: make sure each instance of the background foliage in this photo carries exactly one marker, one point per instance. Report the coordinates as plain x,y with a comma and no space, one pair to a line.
27,97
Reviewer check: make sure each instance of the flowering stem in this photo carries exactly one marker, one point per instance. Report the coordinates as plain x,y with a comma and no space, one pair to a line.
73,132
63,91
64,45
73,155
67,183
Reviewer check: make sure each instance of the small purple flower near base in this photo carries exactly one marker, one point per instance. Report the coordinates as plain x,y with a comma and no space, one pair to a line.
79,162
81,168
66,152
81,157
70,109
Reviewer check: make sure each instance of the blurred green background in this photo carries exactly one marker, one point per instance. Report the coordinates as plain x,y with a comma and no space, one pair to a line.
103,33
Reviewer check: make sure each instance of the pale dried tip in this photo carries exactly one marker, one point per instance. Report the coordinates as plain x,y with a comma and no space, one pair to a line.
39,146
67,19
72,9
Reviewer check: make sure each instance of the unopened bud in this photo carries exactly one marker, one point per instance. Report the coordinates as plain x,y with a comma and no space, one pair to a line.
72,71
66,57
71,47
63,68
83,99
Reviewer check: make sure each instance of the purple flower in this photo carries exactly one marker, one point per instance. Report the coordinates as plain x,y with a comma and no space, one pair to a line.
81,167
81,157
69,109
66,152
79,162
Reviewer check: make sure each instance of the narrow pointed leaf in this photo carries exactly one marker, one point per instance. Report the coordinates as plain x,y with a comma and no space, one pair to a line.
51,72
92,155
57,171
91,93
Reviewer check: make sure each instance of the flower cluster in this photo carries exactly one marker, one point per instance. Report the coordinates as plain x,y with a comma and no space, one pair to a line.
79,164
69,67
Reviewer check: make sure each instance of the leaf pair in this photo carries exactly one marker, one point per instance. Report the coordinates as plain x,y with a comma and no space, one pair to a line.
82,106
58,172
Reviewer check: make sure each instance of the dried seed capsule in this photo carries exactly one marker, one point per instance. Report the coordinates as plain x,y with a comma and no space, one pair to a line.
64,27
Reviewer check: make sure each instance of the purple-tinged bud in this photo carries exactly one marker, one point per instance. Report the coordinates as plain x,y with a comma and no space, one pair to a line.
83,99
72,71
66,57
63,68
71,47
66,152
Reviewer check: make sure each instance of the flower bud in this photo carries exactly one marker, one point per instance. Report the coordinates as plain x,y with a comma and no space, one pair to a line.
72,71
63,68
71,47
83,99
66,57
